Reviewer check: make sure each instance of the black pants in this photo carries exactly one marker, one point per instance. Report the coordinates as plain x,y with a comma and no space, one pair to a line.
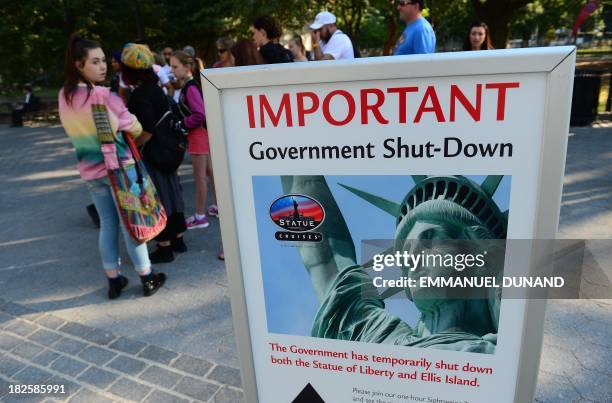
174,225
17,117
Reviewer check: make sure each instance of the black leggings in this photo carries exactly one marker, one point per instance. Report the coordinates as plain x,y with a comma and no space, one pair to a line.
174,225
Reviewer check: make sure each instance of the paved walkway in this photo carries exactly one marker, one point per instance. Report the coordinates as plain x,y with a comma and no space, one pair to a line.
179,342
576,362
57,326
98,366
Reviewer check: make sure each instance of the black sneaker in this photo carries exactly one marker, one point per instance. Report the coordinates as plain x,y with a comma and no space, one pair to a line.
115,285
163,254
178,245
152,283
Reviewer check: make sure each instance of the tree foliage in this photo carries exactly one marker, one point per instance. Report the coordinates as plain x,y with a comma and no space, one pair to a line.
34,32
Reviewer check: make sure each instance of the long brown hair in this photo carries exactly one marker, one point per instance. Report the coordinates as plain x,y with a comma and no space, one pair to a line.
76,51
246,54
194,63
486,45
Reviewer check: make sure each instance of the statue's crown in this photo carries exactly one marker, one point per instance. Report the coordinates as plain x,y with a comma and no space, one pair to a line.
477,199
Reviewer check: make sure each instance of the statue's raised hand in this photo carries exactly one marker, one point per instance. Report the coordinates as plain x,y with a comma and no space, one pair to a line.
336,251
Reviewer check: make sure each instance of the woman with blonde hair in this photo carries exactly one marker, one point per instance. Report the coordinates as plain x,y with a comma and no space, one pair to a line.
186,68
296,46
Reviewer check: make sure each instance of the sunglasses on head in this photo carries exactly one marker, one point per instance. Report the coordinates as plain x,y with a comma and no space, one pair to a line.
221,50
405,2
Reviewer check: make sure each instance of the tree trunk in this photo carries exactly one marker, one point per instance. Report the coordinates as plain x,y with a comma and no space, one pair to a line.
498,15
69,21
391,32
391,20
525,39
138,18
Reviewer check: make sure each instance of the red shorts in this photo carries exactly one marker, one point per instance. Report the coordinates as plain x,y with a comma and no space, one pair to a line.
197,141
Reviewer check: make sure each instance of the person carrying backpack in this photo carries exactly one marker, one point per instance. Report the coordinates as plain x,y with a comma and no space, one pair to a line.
186,68
162,153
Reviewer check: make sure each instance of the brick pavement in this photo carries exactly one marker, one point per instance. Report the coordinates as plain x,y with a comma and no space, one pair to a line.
49,264
56,323
98,366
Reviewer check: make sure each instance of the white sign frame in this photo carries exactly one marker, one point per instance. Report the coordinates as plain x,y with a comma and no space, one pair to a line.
556,62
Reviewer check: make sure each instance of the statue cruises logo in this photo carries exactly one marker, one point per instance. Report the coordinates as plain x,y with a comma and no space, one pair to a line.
298,215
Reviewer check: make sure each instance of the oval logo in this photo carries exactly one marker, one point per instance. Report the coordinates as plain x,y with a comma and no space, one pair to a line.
297,213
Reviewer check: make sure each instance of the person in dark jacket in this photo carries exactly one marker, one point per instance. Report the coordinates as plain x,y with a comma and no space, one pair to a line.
29,104
149,103
266,34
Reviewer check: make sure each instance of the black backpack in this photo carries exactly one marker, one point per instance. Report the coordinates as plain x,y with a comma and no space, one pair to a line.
166,148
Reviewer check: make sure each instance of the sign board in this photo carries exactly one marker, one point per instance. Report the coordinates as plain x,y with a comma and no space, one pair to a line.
313,161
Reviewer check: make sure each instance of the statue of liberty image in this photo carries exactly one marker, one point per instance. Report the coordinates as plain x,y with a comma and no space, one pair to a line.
296,212
436,208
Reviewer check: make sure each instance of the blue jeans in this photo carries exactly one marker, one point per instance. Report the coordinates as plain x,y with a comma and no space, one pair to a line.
102,196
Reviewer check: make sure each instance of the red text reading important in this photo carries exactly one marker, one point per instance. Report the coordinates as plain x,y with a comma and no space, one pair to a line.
414,103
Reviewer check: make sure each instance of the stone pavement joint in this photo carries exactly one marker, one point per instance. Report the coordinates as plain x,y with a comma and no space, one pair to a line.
42,349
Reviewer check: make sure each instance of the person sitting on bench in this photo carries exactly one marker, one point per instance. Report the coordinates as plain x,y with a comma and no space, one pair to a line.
30,104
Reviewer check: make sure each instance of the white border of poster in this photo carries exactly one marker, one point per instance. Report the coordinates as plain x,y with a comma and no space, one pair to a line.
552,68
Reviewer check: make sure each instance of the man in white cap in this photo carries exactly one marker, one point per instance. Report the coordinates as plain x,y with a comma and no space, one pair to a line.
328,42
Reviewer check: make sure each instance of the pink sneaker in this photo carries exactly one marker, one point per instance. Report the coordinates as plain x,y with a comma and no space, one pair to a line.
213,210
193,223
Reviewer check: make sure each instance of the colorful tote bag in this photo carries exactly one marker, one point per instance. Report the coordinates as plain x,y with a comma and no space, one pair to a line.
140,208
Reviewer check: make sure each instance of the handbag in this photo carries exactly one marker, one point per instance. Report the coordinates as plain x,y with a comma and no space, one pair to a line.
166,148
139,204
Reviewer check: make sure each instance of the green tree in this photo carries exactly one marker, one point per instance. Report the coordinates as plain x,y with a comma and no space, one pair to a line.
450,19
543,17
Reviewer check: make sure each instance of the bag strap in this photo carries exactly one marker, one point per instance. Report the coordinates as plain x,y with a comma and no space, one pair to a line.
108,142
103,126
162,118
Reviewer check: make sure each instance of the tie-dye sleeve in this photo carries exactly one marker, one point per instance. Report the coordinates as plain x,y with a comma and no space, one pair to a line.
127,121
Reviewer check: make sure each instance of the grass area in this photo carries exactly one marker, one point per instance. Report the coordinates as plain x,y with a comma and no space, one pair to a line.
41,92
604,92
603,51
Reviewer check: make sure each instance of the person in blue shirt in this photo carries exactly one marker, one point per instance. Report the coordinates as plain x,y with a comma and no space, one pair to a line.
419,36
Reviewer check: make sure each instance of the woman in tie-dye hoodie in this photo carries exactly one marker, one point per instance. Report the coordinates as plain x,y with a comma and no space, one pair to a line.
85,67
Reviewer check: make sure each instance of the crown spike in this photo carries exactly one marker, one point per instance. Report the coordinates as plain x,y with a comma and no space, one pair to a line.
418,178
388,206
490,184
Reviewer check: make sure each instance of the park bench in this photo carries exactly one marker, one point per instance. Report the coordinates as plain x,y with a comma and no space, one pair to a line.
46,112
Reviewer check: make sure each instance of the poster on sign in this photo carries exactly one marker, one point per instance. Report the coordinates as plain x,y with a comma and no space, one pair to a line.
358,200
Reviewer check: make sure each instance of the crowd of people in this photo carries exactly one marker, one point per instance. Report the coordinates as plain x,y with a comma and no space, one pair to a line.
147,87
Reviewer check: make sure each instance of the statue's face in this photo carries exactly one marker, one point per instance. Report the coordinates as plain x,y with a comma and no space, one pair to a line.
426,298
436,225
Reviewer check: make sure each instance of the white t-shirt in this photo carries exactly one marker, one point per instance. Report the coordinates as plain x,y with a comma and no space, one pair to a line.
161,74
339,46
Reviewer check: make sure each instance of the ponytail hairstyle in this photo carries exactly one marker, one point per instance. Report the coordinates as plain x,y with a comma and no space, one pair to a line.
76,51
195,65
